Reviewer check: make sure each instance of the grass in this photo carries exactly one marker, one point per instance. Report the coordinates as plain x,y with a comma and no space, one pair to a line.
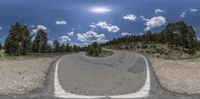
196,56
30,56
104,53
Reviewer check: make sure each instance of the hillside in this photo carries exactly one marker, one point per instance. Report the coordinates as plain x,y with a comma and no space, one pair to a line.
176,41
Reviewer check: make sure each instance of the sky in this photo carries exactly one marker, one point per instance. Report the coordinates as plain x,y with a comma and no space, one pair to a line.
84,21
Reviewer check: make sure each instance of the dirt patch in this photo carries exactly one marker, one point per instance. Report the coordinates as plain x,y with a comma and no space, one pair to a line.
23,76
181,76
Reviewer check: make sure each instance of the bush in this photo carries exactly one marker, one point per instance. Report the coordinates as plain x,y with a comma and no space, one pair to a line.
94,49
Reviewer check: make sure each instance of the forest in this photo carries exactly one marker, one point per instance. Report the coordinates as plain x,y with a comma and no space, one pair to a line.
175,36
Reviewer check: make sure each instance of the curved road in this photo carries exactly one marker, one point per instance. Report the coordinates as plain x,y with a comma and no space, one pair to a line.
123,73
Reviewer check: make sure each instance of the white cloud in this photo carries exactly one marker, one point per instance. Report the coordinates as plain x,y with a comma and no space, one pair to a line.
159,11
198,38
125,33
155,22
42,27
91,36
130,17
63,22
1,28
64,39
70,33
50,42
109,27
143,18
92,25
193,10
183,14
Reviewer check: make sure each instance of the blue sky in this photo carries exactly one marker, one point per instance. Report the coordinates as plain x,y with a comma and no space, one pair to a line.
85,21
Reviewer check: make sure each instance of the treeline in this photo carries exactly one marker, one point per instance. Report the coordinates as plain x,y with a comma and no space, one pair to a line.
174,35
94,49
20,42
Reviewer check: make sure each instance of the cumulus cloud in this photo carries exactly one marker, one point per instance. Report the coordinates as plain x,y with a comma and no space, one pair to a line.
91,36
125,33
143,18
159,11
39,27
155,22
50,42
62,22
1,28
104,25
130,17
92,25
193,10
64,39
183,14
70,33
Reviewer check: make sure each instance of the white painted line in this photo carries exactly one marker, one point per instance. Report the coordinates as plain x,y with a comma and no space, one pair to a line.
61,93
144,91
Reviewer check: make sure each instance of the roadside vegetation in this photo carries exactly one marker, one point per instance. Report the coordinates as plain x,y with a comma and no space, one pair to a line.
95,50
20,42
176,41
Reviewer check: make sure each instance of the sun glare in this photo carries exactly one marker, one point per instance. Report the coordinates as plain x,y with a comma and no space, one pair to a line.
100,10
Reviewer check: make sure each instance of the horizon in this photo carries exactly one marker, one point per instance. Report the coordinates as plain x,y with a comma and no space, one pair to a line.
82,22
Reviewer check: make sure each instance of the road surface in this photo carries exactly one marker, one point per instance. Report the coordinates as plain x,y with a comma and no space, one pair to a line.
124,75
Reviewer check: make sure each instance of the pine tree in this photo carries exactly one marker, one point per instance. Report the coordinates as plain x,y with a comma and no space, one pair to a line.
56,46
49,49
18,40
1,47
40,42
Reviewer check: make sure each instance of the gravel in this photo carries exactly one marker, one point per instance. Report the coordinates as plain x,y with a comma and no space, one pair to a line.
23,76
181,76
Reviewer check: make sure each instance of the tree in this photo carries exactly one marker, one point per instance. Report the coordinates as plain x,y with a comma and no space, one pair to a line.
49,49
174,35
62,48
40,42
1,47
68,48
76,48
56,46
94,49
18,40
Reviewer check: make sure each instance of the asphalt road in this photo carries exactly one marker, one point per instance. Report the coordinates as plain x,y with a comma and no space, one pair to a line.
122,75
119,74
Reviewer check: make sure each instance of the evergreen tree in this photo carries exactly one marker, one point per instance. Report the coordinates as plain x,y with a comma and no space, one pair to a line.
18,40
49,49
56,46
1,47
94,49
40,42
62,48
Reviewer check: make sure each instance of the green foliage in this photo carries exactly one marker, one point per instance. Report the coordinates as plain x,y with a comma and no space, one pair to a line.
40,42
94,49
1,47
18,40
174,35
49,49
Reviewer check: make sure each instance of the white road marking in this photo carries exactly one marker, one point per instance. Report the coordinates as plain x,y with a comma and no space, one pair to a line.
144,91
61,93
